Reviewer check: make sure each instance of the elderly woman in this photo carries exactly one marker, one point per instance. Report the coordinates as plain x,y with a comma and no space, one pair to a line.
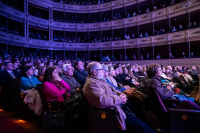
28,81
154,72
53,86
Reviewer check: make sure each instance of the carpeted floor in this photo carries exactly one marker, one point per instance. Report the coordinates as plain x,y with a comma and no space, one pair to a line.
8,126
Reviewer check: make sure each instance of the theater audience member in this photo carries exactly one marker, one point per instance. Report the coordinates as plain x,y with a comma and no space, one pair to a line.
99,94
80,74
195,25
53,86
130,72
50,64
148,57
7,75
36,68
183,55
141,72
41,71
2,68
68,78
126,58
158,56
128,37
133,36
134,14
180,27
117,77
126,78
154,80
174,29
141,35
171,56
193,71
141,57
192,55
181,82
28,81
106,75
146,34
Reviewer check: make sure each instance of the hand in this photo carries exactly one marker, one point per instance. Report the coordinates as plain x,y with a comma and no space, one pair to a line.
168,88
123,98
57,78
127,87
77,89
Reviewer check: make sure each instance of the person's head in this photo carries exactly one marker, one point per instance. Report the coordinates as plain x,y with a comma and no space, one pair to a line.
50,64
191,53
125,70
120,70
96,69
59,62
129,68
180,26
2,66
193,68
169,68
111,71
106,72
41,70
68,70
177,74
163,69
27,71
49,74
116,68
79,65
173,27
195,23
154,70
15,65
140,69
8,66
183,53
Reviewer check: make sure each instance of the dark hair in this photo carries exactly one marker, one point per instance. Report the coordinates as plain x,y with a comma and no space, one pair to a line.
40,69
1,64
76,63
152,70
48,74
115,67
25,69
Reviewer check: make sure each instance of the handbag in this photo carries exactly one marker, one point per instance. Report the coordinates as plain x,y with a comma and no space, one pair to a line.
54,119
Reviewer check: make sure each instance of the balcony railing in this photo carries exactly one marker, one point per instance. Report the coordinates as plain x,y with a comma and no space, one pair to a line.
168,12
164,39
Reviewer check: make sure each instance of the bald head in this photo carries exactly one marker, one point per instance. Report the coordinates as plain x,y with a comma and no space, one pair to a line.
96,69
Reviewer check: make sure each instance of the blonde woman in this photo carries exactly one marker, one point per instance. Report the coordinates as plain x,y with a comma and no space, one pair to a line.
130,73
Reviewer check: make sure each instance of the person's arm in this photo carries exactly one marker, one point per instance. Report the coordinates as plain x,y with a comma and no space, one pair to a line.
66,85
98,97
26,85
164,93
37,81
53,90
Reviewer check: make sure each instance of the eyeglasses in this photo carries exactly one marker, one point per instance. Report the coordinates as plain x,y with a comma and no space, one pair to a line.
99,69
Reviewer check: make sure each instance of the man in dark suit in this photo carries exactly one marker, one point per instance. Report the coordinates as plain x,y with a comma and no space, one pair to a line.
80,74
7,83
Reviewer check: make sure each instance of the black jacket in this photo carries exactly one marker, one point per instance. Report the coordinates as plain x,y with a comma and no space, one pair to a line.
6,79
156,83
80,76
119,80
126,79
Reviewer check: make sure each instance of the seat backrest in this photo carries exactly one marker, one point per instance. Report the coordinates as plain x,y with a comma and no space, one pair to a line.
158,107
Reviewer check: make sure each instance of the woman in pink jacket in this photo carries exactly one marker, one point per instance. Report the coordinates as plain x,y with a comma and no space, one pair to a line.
53,86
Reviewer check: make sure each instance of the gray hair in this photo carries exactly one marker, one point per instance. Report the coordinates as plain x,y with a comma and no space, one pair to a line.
109,68
91,67
64,67
105,67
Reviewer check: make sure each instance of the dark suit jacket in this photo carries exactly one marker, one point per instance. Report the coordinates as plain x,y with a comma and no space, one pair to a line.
119,80
126,79
156,83
80,76
6,79
193,72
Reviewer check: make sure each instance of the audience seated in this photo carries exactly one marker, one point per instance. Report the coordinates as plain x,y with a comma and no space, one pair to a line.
28,81
192,55
53,86
80,74
67,76
41,71
99,94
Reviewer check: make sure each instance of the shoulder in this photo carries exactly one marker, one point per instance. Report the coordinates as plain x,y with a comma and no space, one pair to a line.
24,78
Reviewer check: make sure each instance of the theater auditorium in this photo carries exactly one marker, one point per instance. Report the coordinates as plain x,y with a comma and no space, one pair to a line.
99,66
